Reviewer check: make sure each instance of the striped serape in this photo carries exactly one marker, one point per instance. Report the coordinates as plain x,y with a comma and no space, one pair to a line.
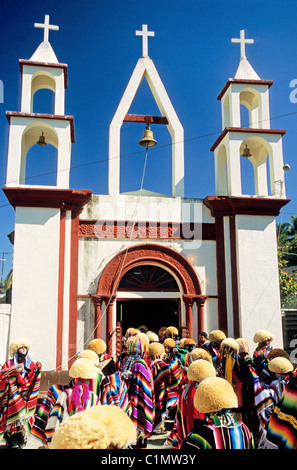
19,388
220,431
65,406
282,426
141,396
114,391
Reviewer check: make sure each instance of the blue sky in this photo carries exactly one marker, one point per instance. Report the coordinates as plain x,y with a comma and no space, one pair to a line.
194,56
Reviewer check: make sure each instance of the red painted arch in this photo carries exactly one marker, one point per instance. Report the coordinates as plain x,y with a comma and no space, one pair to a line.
145,254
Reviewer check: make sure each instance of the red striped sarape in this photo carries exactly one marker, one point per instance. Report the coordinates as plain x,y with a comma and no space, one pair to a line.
19,388
185,415
282,426
162,378
177,376
141,395
114,391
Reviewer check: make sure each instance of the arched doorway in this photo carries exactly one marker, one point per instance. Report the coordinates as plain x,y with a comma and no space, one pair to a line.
171,266
148,297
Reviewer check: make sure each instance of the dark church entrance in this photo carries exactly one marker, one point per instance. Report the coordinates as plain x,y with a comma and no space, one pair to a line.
148,314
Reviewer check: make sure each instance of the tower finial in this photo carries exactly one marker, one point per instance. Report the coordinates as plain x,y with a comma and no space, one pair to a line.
145,34
242,41
46,26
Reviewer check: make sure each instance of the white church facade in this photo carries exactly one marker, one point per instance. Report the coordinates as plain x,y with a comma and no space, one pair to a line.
90,265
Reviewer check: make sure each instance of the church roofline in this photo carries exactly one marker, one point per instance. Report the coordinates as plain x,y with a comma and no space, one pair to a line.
248,130
31,63
243,81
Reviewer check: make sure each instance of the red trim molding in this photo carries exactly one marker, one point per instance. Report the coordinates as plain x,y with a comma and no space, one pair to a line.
68,199
232,205
146,230
17,114
246,130
60,309
72,339
244,82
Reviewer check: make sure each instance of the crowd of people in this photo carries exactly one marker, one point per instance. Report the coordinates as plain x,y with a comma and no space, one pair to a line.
218,393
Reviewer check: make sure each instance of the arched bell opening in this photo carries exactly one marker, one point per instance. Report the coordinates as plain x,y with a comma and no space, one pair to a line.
43,93
133,153
39,155
256,168
249,100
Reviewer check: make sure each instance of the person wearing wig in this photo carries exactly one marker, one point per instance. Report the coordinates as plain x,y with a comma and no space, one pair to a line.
219,429
44,409
235,367
19,387
99,427
178,377
140,388
76,398
264,338
186,412
162,378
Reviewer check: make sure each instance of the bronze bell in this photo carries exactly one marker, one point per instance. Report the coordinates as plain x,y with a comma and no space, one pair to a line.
147,138
41,141
246,152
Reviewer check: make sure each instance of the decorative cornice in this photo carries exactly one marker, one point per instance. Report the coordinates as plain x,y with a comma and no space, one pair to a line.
68,199
146,230
30,63
231,205
247,130
244,82
58,117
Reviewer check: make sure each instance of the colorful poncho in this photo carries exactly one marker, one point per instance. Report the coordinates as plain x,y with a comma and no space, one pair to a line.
282,426
141,393
186,413
218,431
19,388
44,409
114,391
177,376
70,401
162,379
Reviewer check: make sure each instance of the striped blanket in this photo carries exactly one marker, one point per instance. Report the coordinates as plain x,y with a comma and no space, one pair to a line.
141,396
114,391
177,376
162,378
219,431
282,426
19,388
185,415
